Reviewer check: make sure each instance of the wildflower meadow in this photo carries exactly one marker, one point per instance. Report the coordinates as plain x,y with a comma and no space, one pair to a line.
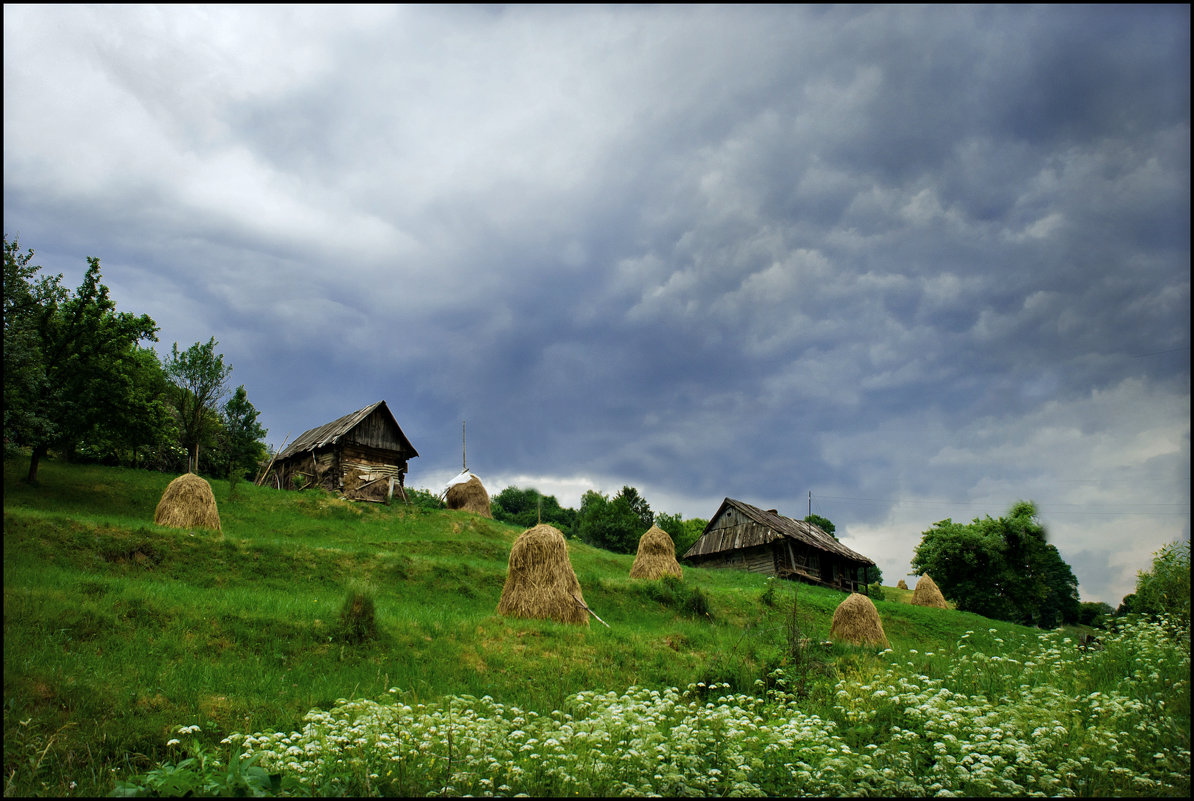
1042,717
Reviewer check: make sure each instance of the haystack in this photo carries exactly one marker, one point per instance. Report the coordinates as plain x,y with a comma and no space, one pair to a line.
188,502
901,585
469,496
928,594
857,621
540,582
656,556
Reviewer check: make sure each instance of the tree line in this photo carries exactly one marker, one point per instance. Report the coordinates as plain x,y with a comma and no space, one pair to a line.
80,380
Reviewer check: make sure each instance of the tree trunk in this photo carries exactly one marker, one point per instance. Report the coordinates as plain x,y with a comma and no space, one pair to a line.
194,460
34,459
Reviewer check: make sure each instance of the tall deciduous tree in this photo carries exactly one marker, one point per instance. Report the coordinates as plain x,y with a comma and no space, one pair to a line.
200,380
242,435
1002,568
62,356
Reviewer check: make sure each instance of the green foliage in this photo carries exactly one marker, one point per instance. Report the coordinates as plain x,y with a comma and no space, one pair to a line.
240,446
1001,568
875,591
423,499
1165,589
358,615
684,533
203,774
614,524
199,378
674,593
767,597
528,507
70,360
1094,614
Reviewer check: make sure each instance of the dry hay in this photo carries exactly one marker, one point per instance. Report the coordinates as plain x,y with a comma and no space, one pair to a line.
928,594
469,496
901,585
857,621
656,556
540,582
188,502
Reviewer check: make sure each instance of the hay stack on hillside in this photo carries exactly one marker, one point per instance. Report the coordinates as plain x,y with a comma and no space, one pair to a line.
928,594
656,556
188,502
857,621
901,585
469,496
540,582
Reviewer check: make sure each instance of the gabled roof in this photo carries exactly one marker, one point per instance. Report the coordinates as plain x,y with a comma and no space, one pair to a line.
330,433
776,527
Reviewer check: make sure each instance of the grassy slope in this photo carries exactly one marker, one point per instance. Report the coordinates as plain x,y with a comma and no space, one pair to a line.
116,631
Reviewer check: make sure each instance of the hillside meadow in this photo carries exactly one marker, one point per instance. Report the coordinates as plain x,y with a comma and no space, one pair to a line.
131,648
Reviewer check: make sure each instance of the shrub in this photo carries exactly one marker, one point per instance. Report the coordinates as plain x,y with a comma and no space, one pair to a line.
358,618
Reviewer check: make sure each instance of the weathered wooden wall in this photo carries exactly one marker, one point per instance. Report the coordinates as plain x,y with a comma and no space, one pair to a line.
376,433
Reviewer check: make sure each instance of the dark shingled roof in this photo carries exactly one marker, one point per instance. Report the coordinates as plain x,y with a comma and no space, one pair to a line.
329,433
776,526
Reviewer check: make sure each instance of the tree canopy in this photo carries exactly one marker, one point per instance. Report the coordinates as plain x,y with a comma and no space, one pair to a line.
70,359
1002,568
1164,589
200,379
614,524
527,507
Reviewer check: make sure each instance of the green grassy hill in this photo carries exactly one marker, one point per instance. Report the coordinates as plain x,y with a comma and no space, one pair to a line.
117,631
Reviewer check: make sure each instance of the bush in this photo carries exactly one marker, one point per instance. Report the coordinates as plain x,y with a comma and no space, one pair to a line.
358,618
1165,590
675,594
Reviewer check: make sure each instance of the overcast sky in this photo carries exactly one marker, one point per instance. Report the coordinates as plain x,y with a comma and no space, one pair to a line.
919,262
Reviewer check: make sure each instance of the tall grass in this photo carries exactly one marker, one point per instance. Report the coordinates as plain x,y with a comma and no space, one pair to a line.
119,632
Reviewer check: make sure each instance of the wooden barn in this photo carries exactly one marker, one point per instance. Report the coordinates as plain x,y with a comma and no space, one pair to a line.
746,537
362,455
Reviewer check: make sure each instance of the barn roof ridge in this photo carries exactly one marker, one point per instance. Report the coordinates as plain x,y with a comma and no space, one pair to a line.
800,530
330,433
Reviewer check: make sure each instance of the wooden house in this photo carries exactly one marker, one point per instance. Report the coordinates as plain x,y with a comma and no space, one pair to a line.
362,455
746,537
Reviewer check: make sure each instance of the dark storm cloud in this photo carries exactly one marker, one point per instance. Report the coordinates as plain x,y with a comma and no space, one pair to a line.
890,255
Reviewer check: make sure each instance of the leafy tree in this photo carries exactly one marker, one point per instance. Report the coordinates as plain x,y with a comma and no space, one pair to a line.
684,533
145,433
200,377
1094,613
526,507
614,524
823,523
1165,589
1002,568
64,354
242,436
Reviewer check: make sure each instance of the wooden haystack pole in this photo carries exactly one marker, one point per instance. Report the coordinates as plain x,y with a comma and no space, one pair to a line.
927,593
656,556
901,585
188,502
540,582
857,621
469,496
